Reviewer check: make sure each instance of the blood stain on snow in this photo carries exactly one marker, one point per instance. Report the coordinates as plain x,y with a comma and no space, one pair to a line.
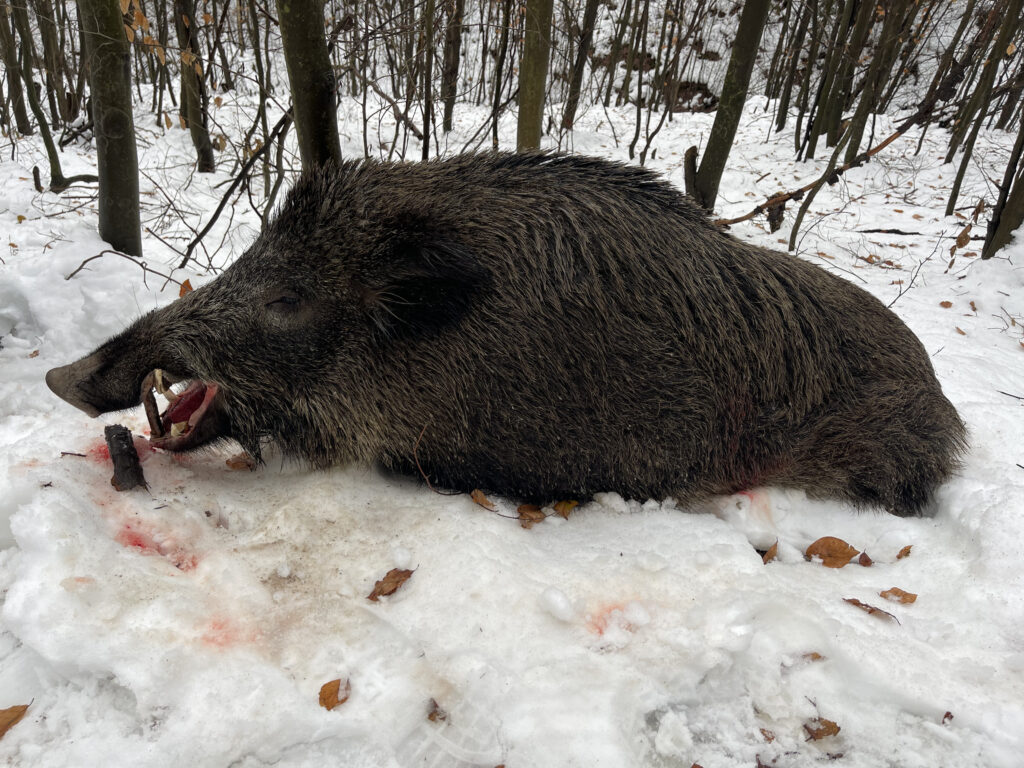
598,621
99,452
133,535
223,632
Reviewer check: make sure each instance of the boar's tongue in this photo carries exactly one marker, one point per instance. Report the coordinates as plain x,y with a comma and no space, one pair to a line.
175,428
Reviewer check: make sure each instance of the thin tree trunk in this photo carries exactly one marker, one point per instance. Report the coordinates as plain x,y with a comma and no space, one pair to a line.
982,94
428,74
878,71
533,73
9,49
499,70
452,53
1008,212
312,81
192,90
730,106
110,82
52,57
582,54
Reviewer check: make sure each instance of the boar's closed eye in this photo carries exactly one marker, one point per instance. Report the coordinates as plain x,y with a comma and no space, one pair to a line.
285,302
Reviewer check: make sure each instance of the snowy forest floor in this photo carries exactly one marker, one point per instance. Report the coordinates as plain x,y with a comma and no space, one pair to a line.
195,624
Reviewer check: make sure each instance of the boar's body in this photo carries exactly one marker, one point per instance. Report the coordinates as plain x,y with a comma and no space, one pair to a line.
543,327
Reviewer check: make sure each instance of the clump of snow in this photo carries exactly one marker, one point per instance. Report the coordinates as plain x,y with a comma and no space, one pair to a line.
195,623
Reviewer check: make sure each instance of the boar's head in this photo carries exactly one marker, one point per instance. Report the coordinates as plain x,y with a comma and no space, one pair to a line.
285,343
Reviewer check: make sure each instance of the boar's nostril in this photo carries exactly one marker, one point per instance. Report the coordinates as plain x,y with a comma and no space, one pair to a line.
62,382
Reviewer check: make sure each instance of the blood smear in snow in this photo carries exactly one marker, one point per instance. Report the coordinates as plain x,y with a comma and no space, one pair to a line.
135,535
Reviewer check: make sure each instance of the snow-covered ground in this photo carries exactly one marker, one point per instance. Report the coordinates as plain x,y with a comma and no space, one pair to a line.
195,624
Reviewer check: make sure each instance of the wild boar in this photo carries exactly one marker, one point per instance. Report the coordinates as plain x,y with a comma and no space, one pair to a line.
540,326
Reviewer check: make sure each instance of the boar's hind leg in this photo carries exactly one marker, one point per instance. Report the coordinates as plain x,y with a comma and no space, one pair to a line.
890,447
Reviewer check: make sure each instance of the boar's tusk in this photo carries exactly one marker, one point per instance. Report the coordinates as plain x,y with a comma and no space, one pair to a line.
149,403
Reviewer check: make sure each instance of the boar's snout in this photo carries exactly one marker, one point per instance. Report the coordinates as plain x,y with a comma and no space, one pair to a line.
65,382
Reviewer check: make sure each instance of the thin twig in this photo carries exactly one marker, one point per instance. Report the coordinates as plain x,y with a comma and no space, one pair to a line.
132,259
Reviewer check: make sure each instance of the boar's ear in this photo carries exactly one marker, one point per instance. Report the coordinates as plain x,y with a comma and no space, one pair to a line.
424,285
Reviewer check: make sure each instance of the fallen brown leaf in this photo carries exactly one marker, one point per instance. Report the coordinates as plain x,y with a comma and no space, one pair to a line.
392,580
819,728
478,496
436,714
771,554
241,461
870,609
947,718
10,717
897,595
334,693
813,656
529,515
186,287
565,507
945,304
833,552
768,735
905,552
865,560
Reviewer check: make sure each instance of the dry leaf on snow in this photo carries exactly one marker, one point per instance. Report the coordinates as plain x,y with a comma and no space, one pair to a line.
905,552
833,552
529,514
771,554
819,728
478,496
241,461
870,609
436,714
10,717
334,693
565,507
392,580
897,595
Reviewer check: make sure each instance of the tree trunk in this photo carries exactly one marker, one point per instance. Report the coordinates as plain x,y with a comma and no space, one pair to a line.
428,75
576,79
878,70
533,73
9,50
110,82
499,70
1008,212
192,90
730,107
450,67
312,81
52,57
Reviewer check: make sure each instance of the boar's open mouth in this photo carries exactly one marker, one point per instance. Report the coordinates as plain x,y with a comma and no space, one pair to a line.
195,416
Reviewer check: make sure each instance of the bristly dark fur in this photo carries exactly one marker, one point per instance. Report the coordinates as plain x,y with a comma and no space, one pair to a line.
553,326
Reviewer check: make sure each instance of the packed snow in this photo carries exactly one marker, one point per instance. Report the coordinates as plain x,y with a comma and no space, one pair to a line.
194,624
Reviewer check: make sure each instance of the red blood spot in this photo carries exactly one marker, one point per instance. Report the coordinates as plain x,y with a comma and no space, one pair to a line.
130,536
598,621
99,452
133,535
222,632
